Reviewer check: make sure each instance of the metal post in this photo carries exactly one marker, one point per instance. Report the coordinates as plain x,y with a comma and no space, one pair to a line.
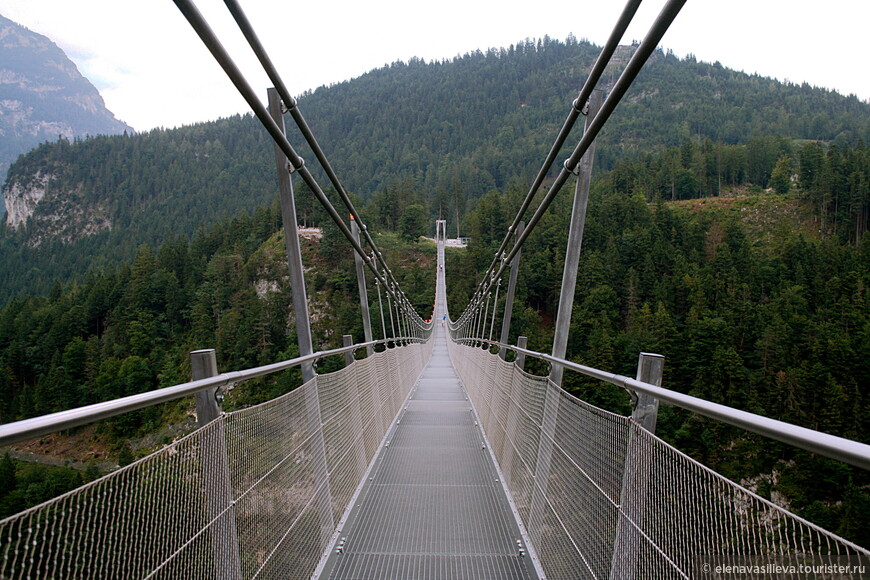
390,308
409,321
412,326
649,370
347,340
203,365
481,328
216,481
494,309
575,240
469,327
303,328
509,297
291,241
363,291
522,342
552,396
475,323
406,329
354,408
400,317
403,318
381,307
397,304
635,478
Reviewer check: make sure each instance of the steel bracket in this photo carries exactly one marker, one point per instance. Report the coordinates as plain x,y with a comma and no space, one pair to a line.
292,168
575,171
584,110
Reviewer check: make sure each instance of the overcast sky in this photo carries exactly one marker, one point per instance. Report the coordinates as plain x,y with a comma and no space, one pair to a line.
153,71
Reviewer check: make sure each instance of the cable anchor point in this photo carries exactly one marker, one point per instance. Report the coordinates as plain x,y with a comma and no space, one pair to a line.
575,170
285,107
584,110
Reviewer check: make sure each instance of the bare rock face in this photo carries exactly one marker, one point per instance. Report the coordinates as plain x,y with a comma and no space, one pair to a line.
43,97
21,200
52,212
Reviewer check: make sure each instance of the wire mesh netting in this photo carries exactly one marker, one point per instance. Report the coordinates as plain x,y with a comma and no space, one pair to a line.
257,493
601,497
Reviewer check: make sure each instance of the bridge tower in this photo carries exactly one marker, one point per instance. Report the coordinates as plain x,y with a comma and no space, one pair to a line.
440,230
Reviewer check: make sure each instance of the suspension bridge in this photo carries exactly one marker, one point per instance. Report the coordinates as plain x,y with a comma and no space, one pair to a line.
430,456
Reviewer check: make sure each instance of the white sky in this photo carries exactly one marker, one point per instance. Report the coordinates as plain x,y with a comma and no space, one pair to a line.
153,71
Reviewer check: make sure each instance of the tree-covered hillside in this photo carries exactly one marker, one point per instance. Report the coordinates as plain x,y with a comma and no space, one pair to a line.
129,328
147,187
449,131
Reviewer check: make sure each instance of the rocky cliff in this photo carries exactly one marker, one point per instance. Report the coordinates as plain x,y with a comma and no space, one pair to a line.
42,97
68,218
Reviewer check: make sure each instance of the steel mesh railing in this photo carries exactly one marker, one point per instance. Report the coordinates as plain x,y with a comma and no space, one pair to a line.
256,493
601,497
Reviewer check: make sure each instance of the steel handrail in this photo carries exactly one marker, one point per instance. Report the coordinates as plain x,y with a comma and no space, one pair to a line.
839,448
36,426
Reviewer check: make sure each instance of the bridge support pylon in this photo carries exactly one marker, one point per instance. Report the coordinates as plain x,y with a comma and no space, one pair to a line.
440,230
575,240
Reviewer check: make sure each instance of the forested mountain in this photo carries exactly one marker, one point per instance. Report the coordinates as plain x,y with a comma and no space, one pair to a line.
43,96
438,135
485,119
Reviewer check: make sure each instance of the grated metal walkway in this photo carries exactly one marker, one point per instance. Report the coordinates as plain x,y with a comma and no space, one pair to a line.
433,507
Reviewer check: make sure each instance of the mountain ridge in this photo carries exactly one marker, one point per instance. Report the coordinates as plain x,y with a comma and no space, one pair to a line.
43,95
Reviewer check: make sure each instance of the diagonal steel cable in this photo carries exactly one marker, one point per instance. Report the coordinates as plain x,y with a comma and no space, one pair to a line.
632,69
577,108
296,163
292,107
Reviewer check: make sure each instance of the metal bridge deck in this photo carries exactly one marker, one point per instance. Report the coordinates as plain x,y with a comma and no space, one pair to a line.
433,506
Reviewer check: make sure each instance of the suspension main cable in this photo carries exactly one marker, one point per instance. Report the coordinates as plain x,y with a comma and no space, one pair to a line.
632,69
291,105
576,110
208,37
